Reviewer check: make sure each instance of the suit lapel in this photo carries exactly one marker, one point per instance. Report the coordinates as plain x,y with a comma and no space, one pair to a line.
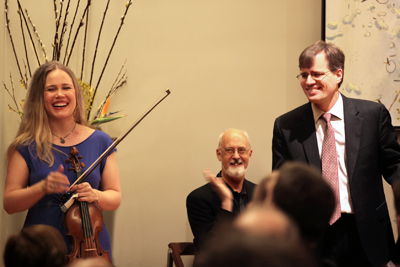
308,137
352,128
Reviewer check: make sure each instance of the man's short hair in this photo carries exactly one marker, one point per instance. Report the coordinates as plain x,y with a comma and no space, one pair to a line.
303,194
334,56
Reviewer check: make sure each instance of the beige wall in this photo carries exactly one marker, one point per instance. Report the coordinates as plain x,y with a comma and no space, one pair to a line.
228,63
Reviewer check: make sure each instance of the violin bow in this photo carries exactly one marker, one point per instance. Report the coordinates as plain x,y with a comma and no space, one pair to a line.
64,204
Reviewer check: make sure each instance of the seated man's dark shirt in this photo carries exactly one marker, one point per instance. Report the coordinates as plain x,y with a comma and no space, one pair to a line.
204,209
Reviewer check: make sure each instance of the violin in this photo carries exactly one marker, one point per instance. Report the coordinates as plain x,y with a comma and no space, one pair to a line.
83,221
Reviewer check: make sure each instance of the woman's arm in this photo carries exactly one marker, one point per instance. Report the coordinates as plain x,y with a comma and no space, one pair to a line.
17,196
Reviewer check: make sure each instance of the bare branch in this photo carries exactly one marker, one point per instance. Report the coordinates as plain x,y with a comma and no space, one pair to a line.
84,43
26,75
77,31
30,35
70,30
122,77
98,41
55,8
58,15
127,5
12,41
12,95
24,41
63,29
119,81
37,36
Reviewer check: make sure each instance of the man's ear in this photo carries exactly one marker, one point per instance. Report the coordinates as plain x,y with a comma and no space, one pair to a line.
219,154
339,75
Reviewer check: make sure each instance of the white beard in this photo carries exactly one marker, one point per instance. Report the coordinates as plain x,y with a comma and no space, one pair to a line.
235,172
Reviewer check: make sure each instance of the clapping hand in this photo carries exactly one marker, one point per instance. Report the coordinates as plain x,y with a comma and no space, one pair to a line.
221,189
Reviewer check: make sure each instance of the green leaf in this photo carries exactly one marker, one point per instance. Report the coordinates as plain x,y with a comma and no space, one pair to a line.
105,119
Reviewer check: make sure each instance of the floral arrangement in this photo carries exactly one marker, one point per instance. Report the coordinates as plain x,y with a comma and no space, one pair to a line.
68,29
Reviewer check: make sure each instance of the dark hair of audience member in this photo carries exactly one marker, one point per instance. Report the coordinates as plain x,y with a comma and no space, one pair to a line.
36,246
302,193
232,247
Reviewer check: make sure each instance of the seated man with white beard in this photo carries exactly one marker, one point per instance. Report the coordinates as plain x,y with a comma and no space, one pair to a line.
226,194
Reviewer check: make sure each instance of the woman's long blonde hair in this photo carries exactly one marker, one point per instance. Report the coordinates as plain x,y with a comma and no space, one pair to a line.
35,123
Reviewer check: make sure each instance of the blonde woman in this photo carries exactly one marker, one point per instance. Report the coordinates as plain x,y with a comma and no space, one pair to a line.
37,174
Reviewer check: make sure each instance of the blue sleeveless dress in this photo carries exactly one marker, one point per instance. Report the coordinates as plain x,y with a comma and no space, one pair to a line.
47,210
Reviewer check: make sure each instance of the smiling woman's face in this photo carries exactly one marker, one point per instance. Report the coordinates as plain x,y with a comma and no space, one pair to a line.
59,95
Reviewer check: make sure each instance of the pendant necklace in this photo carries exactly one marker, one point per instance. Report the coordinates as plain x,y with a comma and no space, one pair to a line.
62,139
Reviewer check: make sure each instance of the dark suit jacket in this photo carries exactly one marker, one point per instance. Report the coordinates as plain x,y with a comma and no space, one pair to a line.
204,210
372,151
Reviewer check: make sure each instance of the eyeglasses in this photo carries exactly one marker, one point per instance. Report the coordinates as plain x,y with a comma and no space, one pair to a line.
231,151
316,76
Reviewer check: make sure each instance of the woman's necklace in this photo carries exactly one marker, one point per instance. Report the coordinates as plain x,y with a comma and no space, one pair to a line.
62,139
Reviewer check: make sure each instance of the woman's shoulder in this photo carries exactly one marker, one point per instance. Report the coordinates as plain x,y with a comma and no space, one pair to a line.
98,137
96,143
88,133
100,134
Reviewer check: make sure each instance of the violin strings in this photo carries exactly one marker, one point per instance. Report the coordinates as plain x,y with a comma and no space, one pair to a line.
87,227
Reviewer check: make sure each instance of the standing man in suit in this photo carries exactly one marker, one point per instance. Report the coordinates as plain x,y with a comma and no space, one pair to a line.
366,149
226,194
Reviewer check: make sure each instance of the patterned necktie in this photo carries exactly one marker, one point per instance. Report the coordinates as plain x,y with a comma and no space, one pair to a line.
330,165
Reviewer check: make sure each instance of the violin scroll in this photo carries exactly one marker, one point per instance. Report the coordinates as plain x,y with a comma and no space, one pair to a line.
74,159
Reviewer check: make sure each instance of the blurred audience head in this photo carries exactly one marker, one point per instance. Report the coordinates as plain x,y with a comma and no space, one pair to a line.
92,262
271,223
258,237
300,191
36,246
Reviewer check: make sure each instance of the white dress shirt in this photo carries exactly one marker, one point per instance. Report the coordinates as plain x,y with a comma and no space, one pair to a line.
337,121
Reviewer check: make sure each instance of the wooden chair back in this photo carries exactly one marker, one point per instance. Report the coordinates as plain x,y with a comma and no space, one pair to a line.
176,250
